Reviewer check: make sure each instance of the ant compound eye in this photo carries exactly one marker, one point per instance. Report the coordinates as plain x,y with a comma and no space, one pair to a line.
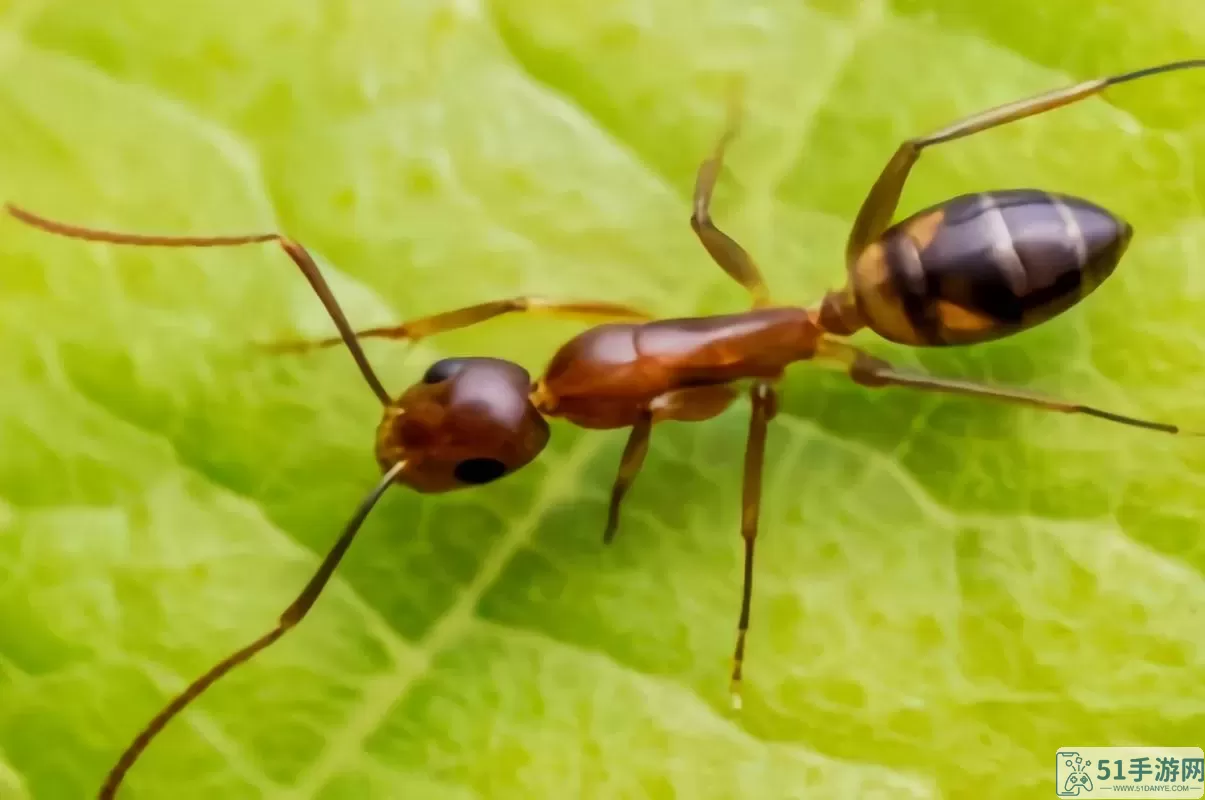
479,470
443,369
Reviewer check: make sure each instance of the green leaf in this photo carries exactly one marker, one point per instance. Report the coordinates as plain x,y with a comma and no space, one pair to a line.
946,591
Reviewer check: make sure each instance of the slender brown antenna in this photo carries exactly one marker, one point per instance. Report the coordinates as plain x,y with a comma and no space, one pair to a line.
291,616
1191,63
295,251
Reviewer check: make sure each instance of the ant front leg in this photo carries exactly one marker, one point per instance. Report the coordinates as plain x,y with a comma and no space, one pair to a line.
421,328
874,372
683,405
764,398
724,250
629,466
877,210
295,251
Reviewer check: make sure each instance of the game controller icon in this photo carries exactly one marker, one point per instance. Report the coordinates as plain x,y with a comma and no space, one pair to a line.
1075,781
1078,778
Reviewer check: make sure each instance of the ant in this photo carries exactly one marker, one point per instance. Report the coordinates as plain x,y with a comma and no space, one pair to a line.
971,269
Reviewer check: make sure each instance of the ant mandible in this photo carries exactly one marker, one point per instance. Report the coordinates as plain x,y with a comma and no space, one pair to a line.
971,269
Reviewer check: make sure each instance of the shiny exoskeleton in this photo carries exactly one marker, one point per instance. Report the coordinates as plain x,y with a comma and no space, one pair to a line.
974,268
983,266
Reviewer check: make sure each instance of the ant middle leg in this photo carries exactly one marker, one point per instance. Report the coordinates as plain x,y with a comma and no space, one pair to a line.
874,372
724,250
764,398
878,209
293,250
421,328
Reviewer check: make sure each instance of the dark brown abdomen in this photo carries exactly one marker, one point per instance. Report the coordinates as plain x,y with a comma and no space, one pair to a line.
983,266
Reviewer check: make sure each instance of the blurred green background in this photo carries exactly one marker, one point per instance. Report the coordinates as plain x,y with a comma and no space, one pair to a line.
947,591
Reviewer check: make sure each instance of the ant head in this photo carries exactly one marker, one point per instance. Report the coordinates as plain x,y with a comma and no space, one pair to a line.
469,421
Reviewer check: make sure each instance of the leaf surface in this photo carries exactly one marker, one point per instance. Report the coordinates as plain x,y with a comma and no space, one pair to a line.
946,591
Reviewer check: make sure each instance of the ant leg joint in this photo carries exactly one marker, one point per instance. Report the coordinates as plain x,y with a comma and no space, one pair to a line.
867,370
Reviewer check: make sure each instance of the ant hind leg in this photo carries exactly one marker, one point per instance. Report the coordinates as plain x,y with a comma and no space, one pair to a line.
875,373
875,215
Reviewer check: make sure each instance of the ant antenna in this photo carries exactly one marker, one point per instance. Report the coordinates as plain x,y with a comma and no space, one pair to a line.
291,616
304,261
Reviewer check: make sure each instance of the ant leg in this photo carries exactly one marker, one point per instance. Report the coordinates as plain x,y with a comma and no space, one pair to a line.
765,406
731,257
295,251
874,372
291,616
683,405
629,465
877,210
421,328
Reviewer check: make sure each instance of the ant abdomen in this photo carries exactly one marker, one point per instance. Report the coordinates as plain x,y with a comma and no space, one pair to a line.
986,265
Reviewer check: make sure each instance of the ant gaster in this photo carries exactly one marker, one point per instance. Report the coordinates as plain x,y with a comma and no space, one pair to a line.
974,268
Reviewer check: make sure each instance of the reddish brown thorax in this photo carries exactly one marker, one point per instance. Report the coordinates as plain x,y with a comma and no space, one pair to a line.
607,376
